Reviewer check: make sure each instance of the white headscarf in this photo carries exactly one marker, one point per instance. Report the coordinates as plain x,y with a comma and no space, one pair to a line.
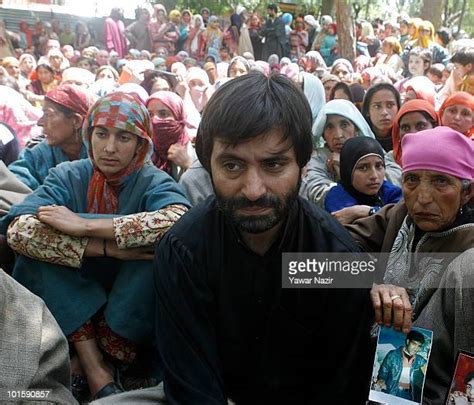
345,109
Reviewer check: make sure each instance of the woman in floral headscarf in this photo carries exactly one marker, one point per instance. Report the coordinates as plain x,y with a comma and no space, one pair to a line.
85,240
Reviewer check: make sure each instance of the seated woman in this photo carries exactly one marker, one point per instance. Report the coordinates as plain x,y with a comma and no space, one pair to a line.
45,82
413,116
362,190
457,112
381,104
391,50
85,239
434,292
338,121
64,110
173,150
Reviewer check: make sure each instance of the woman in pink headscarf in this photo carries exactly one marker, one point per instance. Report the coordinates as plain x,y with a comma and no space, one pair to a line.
173,150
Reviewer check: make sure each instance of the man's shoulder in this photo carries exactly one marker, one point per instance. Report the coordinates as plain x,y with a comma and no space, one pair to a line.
199,220
324,224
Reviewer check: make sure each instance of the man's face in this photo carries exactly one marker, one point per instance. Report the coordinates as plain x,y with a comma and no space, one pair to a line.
271,12
470,390
412,347
255,181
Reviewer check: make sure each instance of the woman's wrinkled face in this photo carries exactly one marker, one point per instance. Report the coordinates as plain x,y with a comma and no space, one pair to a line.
158,109
368,175
113,149
458,117
337,131
343,73
58,128
433,199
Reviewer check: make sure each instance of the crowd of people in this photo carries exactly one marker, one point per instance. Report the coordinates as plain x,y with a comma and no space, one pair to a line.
150,182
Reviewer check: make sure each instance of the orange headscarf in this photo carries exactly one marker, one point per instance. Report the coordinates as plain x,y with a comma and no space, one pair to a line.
410,106
126,112
458,98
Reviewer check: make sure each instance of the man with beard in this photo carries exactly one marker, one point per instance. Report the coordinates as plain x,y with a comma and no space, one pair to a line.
225,327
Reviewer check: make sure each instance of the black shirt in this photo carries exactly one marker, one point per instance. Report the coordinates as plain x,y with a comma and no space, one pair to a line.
226,328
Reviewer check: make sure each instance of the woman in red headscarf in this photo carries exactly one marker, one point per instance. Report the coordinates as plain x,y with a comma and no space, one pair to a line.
457,112
85,242
413,116
173,150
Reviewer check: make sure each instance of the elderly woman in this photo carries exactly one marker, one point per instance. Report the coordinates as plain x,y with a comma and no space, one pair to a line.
173,150
433,292
362,190
64,110
413,116
85,240
343,69
457,112
338,121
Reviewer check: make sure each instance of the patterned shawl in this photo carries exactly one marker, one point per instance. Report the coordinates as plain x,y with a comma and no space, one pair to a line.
122,111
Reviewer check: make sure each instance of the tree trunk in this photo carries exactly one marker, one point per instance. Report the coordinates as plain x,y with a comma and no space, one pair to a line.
327,7
367,9
431,11
463,11
345,29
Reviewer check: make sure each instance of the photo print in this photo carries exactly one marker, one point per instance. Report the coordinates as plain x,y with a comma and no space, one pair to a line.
462,385
400,364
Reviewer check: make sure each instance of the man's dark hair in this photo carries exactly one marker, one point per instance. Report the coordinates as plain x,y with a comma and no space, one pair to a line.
468,377
416,336
252,105
437,69
463,56
345,88
370,94
445,35
272,6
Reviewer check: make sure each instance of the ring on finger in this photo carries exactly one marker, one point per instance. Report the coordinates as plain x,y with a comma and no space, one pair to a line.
395,297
